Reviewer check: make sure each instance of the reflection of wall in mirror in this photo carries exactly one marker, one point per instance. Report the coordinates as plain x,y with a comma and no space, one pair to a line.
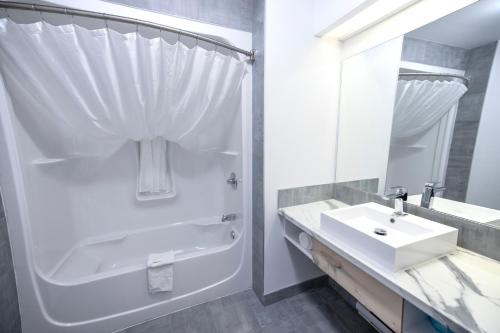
484,181
368,91
466,126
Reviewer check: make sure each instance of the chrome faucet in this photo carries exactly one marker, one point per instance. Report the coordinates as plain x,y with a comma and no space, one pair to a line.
233,180
428,194
400,194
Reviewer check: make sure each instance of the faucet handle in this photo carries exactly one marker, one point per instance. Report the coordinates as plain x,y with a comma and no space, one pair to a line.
399,189
399,192
439,189
433,185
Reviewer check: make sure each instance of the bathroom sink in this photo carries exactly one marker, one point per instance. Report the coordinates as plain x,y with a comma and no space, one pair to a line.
393,242
460,209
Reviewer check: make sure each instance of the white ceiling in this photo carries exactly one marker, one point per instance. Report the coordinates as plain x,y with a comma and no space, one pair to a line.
473,26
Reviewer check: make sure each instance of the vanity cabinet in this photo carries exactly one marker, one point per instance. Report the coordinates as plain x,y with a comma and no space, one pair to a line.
378,299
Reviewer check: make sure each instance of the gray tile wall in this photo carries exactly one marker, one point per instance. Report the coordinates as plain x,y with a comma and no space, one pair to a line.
307,194
467,122
429,53
302,195
236,14
258,150
10,320
291,291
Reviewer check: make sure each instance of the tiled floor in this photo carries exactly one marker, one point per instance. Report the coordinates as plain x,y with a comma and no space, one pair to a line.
320,310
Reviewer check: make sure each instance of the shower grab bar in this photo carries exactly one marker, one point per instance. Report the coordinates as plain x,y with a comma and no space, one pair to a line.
86,13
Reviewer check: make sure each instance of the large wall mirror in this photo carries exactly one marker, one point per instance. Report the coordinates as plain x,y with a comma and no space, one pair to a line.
425,109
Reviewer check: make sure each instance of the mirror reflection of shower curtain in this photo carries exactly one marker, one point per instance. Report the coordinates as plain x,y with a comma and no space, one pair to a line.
423,124
86,93
421,104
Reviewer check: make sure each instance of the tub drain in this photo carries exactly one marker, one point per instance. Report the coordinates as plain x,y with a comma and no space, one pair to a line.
380,231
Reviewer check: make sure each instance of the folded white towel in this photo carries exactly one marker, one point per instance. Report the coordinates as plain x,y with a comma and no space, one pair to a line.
161,272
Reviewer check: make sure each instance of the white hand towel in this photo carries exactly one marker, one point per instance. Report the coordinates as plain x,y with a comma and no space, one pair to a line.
161,272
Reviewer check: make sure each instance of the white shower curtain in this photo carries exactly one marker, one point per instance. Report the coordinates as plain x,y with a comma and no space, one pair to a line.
421,104
86,93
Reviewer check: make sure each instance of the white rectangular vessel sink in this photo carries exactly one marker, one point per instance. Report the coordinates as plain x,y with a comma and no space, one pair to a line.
394,242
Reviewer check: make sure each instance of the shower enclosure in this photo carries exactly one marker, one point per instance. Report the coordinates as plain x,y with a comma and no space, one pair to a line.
423,123
82,222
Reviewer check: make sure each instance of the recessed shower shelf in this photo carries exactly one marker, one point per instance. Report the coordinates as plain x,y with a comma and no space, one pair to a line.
47,161
230,153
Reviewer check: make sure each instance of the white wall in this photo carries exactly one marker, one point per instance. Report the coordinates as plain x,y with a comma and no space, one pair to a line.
301,94
301,89
367,96
484,177
328,12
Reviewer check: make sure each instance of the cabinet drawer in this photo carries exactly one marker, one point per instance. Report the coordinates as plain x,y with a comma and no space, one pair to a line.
381,301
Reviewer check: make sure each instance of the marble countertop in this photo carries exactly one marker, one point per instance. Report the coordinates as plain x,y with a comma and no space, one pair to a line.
461,289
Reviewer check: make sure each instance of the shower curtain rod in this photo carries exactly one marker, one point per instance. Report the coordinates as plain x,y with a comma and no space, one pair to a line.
463,78
85,13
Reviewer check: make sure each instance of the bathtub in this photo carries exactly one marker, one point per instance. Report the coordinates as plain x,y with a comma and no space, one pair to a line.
108,275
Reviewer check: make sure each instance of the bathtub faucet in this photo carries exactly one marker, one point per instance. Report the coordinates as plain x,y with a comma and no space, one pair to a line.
228,217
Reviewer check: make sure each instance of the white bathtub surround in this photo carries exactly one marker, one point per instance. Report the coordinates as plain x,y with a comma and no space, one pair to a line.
161,272
86,93
80,239
461,289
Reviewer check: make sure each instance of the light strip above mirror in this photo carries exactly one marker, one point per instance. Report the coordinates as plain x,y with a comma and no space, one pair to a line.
372,13
365,16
